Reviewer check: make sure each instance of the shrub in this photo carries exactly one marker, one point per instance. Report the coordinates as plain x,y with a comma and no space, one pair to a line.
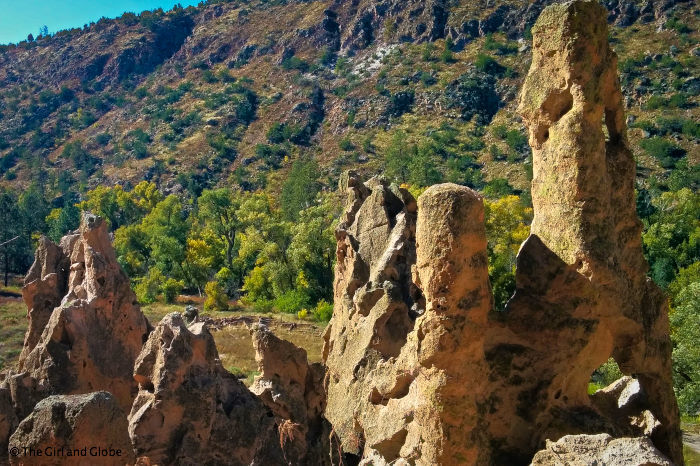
147,289
516,140
498,187
292,301
171,289
488,64
346,144
323,311
217,300
663,150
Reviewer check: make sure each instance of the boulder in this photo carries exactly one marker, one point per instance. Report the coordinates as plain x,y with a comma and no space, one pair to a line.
190,410
92,337
584,450
88,429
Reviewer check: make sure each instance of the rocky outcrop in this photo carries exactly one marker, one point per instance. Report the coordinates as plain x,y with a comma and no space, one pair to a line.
190,410
293,390
393,388
585,219
85,430
584,450
421,368
91,339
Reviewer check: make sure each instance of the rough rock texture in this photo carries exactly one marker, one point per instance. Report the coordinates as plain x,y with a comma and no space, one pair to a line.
91,339
393,388
584,450
293,390
62,424
190,410
585,227
420,368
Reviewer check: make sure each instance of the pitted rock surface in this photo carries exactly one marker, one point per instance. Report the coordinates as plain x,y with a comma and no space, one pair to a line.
90,340
92,424
190,410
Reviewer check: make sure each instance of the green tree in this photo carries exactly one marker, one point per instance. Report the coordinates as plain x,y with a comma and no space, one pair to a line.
507,226
217,213
685,333
397,156
672,239
300,189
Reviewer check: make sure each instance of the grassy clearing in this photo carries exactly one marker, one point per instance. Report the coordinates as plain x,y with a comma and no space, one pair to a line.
234,343
13,324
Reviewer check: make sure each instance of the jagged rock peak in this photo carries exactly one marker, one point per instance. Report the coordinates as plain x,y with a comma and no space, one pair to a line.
86,327
190,410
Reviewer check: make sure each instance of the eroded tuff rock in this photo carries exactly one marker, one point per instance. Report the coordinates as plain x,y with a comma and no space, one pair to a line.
190,410
93,424
293,390
90,340
421,368
584,450
394,390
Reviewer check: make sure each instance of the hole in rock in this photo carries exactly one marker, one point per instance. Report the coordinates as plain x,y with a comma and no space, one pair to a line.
607,373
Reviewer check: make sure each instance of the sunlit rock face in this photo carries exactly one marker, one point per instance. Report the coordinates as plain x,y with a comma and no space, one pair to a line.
85,325
421,368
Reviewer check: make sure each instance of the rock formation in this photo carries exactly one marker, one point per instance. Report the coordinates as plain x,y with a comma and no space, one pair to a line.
585,218
421,368
190,410
393,388
584,450
91,339
71,430
293,390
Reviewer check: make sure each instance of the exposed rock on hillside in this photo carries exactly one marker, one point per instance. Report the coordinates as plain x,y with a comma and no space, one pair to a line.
412,295
190,410
91,340
93,424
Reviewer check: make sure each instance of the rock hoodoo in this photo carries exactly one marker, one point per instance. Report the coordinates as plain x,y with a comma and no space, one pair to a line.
85,326
421,368
293,390
190,410
90,340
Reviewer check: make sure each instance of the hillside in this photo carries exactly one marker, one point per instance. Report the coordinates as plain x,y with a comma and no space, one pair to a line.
233,92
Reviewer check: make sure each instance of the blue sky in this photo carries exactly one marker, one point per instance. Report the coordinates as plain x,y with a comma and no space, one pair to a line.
21,17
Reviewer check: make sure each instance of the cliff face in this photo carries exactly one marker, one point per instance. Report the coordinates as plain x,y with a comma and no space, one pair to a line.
419,366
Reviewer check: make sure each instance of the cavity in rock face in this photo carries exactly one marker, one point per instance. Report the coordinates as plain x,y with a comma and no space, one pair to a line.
190,410
90,340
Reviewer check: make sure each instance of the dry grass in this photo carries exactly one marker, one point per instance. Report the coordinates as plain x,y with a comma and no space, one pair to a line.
235,344
13,324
